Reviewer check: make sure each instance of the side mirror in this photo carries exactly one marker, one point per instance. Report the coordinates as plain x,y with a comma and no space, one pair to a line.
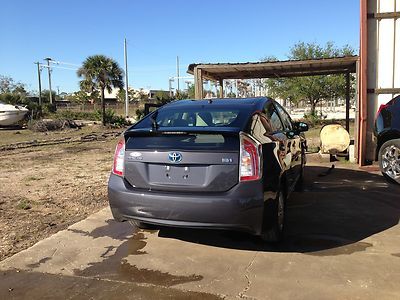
290,134
300,126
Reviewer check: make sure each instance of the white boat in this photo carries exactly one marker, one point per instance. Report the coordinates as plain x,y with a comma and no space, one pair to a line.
11,114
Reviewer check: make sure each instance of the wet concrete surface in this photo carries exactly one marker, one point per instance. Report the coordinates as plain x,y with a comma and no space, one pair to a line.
341,241
33,285
116,267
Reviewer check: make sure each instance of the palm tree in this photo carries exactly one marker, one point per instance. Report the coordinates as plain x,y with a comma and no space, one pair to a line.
100,73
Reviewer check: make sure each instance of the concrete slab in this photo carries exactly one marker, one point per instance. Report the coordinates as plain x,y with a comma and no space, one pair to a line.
341,242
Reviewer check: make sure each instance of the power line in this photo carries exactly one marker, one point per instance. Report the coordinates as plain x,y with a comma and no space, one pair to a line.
59,67
65,63
50,65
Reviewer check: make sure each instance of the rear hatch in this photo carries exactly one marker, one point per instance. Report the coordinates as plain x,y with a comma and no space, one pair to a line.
182,161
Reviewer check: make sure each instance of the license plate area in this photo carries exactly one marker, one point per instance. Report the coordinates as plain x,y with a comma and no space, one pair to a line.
166,174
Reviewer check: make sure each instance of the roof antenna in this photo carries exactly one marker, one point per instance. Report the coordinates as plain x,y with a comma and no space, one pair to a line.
210,101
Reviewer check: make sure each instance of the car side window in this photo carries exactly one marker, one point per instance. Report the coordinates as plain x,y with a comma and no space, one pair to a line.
260,128
286,120
272,115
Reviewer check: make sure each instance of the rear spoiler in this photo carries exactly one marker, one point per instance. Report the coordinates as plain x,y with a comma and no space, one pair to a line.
181,131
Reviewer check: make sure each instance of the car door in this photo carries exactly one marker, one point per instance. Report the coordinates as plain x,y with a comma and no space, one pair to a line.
278,134
262,130
294,144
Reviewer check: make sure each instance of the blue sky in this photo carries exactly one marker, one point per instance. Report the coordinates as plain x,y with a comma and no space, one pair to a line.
157,31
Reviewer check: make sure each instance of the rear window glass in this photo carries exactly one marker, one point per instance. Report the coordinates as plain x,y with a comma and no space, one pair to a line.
184,142
196,117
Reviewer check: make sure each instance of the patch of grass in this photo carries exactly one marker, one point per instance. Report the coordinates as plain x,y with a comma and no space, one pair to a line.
313,132
313,148
33,178
24,204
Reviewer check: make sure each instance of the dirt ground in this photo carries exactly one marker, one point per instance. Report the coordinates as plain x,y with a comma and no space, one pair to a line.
45,189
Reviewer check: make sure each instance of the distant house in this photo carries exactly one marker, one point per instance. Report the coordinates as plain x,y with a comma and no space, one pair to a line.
32,98
111,98
58,102
63,95
112,95
62,102
154,93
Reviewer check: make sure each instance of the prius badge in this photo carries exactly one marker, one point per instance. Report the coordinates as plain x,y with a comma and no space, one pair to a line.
135,155
174,157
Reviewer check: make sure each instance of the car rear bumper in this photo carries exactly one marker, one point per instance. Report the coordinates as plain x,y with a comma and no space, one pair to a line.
240,208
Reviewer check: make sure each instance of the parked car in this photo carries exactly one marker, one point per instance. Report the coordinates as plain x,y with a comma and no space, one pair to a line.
387,133
221,163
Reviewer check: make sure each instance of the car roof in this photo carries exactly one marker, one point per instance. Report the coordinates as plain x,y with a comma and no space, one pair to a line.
255,102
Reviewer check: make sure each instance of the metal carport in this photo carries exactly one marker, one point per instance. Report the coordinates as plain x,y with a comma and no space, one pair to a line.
276,69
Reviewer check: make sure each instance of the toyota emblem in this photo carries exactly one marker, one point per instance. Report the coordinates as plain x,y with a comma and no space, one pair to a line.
174,157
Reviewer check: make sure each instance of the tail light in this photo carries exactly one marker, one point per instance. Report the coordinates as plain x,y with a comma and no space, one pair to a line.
383,106
118,165
250,159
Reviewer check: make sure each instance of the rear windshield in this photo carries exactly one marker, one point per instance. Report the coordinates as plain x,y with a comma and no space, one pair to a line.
193,141
196,117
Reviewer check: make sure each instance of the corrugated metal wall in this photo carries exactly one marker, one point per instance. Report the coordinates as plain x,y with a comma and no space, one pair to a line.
383,60
388,58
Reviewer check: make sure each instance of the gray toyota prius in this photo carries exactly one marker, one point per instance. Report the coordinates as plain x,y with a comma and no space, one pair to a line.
220,163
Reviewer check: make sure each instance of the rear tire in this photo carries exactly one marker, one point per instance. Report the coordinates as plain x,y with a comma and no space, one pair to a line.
299,187
389,160
274,219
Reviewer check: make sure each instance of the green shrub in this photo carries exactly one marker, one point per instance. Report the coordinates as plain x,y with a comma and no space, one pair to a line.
24,204
314,119
139,113
77,115
49,108
113,119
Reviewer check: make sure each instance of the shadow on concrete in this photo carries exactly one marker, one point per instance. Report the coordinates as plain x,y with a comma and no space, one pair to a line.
113,229
337,210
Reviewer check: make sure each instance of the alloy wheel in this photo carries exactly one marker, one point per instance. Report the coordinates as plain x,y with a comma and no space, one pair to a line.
391,162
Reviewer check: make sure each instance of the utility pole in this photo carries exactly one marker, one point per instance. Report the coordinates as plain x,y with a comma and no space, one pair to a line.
177,71
170,80
126,80
49,72
348,102
40,83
